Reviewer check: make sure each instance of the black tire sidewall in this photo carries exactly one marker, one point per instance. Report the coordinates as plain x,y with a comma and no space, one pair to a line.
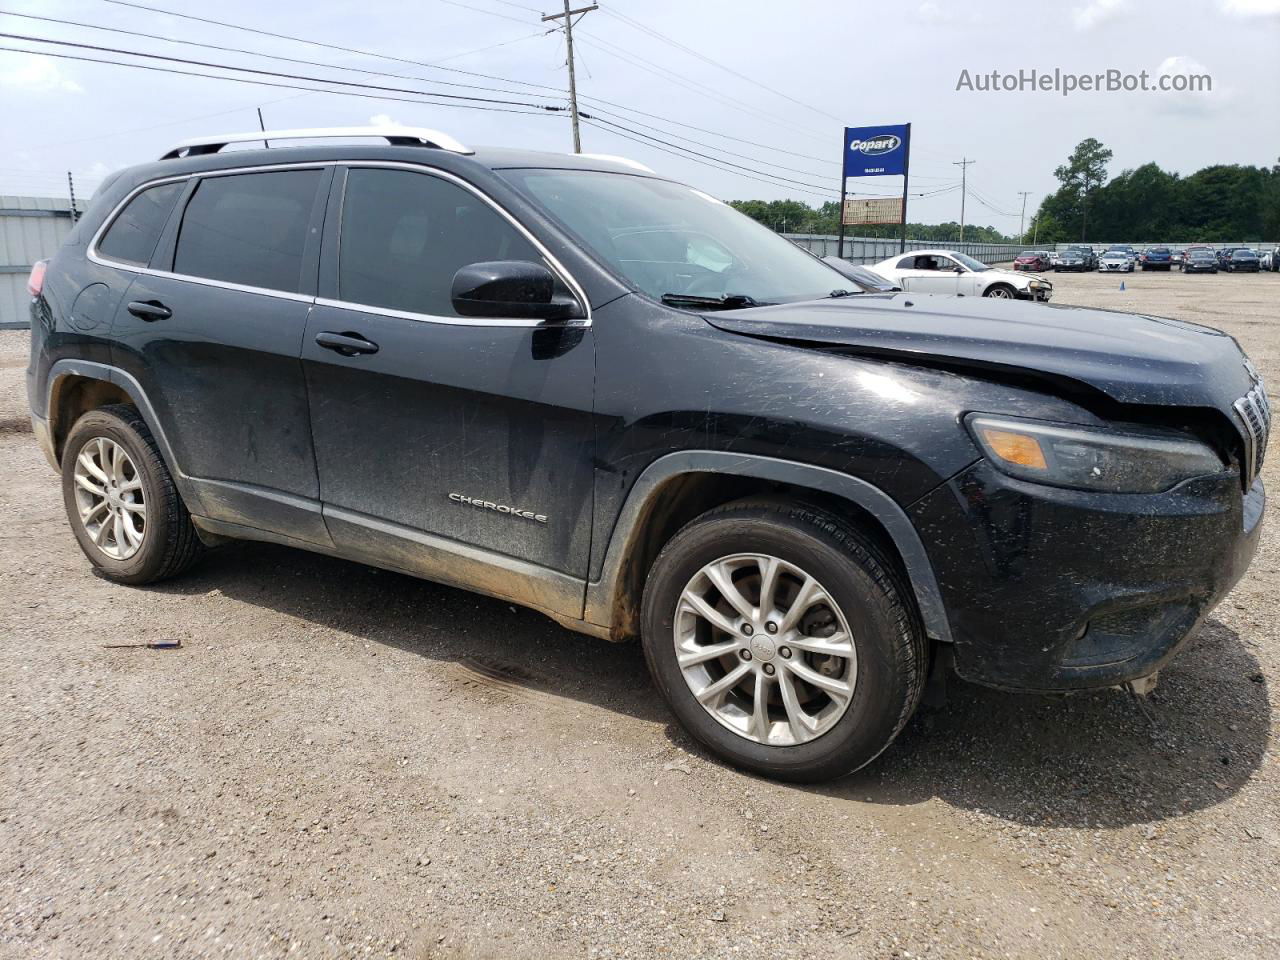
150,556
881,692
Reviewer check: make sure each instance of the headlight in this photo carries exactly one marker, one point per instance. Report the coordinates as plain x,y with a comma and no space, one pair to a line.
1087,458
1035,284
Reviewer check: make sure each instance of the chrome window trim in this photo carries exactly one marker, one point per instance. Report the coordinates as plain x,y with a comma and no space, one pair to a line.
559,268
569,280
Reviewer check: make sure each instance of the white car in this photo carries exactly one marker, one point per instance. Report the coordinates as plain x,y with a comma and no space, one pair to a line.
1116,261
945,271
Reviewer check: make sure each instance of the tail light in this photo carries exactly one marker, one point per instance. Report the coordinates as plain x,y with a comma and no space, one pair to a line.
35,282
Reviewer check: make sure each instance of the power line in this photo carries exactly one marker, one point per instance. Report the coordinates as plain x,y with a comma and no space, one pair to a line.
271,56
436,66
693,85
293,86
321,43
637,25
271,73
591,123
284,86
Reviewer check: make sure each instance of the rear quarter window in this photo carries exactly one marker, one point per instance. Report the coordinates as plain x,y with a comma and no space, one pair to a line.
133,235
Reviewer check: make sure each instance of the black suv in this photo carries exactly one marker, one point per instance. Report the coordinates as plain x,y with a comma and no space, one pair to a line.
575,385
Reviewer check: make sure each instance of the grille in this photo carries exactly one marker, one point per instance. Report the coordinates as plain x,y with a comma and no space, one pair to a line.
1254,411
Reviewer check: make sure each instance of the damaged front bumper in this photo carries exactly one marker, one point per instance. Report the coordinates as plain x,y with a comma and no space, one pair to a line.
1049,589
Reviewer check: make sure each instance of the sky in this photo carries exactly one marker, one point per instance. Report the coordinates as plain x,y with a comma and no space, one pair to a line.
761,90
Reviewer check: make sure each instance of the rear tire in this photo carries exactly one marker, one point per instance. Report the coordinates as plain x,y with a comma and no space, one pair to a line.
121,501
802,733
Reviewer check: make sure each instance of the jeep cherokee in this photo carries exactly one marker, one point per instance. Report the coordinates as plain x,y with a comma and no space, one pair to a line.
573,384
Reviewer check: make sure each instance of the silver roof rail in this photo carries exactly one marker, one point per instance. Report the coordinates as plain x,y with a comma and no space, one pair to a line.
625,161
401,136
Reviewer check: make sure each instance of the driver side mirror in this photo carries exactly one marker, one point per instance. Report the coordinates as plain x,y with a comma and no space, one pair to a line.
958,269
511,289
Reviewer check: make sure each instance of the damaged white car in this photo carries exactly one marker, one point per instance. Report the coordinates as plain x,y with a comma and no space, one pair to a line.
946,271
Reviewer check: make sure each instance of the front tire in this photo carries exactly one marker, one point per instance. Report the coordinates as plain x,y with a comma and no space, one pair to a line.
1001,291
121,501
782,640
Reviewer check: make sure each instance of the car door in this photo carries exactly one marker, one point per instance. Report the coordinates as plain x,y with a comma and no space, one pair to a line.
935,273
446,444
212,331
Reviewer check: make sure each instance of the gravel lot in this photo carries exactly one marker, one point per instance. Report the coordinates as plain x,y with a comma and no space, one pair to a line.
345,762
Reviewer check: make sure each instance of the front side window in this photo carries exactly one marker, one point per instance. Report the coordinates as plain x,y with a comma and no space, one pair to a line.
133,235
404,235
669,239
248,229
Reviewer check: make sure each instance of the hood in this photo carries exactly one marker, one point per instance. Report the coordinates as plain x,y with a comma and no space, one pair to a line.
1131,358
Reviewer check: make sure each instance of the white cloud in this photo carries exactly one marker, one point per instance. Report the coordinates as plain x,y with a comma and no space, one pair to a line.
1251,8
383,120
1096,12
933,12
37,74
1191,101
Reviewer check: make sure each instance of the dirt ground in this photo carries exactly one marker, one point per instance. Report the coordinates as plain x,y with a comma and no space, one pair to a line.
341,762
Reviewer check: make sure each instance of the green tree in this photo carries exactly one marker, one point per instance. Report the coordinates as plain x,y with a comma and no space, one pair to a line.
1084,171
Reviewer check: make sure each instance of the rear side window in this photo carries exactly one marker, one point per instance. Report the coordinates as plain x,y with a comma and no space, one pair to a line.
248,229
404,235
133,235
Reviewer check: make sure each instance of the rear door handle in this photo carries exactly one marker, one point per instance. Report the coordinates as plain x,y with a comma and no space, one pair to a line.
347,344
150,310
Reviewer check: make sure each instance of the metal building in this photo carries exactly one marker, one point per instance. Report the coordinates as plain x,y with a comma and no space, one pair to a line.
31,228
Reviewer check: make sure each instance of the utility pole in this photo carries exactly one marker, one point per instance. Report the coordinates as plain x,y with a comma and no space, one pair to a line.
1022,217
963,164
567,16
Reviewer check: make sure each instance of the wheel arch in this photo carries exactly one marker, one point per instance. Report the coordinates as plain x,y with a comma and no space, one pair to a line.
78,386
679,486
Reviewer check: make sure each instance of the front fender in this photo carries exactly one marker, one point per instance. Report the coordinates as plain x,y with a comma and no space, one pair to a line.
602,594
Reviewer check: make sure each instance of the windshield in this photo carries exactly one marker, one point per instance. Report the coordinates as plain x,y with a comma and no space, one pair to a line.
672,240
977,266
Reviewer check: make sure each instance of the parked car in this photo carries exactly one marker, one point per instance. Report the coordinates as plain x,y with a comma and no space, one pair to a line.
1055,259
949,272
1115,261
1224,257
1266,259
1034,260
1200,260
1128,250
575,385
1275,260
1157,258
1242,260
1072,260
1176,257
1086,254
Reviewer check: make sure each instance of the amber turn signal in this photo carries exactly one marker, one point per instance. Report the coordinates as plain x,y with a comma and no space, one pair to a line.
1019,448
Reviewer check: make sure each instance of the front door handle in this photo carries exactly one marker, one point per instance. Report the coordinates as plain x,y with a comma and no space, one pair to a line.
347,344
150,310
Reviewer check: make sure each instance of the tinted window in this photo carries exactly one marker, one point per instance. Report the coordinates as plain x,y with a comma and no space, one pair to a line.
133,235
248,229
404,236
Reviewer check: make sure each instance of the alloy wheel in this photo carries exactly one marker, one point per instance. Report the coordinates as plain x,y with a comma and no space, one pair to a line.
109,498
765,649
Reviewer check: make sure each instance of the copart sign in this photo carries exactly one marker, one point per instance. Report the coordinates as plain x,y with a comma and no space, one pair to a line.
875,151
